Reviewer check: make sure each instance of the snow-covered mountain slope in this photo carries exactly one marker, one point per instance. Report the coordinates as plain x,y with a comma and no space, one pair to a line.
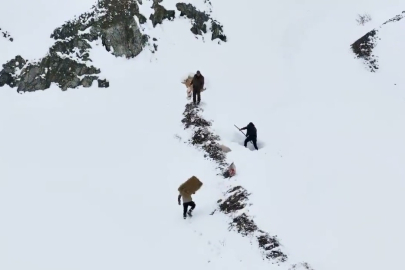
89,176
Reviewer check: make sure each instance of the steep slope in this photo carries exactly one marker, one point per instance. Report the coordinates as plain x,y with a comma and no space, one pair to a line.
89,177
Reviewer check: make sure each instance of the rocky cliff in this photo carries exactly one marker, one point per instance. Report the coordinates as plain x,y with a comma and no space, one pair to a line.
68,61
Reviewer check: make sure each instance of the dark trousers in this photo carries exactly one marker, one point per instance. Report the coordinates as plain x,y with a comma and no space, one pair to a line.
186,205
253,140
196,94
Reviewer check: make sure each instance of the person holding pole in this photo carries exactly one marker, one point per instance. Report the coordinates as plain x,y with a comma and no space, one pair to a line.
251,134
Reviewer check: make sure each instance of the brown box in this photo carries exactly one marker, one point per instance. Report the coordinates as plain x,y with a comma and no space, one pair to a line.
192,185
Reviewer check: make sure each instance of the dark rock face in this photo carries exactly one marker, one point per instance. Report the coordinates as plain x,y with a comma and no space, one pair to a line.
199,20
67,63
65,72
112,21
363,47
217,31
103,84
7,75
124,38
160,14
6,35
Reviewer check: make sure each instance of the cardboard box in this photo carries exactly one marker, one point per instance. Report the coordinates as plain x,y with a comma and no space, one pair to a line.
192,185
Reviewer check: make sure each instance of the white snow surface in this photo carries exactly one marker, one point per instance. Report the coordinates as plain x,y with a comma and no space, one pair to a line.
89,177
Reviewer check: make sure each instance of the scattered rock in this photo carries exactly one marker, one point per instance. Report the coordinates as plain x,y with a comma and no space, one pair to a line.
269,244
396,18
103,84
202,136
243,225
301,266
6,35
235,201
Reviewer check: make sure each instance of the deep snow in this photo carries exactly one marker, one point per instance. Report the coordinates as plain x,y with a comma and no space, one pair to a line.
89,177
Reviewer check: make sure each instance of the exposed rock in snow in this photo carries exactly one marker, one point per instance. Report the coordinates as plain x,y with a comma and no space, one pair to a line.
396,18
363,47
160,13
217,31
8,74
199,20
65,72
87,81
103,83
112,21
6,35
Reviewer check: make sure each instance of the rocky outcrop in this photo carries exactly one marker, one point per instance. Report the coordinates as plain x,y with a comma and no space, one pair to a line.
217,31
6,35
124,38
65,72
200,20
67,62
160,13
8,73
113,22
363,47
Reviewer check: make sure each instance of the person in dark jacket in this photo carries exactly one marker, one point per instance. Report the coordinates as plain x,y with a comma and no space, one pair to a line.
251,134
198,85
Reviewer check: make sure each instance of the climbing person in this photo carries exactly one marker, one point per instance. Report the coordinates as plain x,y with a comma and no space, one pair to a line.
187,201
198,85
251,134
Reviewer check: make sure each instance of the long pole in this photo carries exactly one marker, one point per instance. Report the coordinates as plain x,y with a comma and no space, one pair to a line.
240,130
243,133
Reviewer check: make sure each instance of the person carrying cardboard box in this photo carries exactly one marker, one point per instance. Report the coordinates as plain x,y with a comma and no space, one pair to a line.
186,190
